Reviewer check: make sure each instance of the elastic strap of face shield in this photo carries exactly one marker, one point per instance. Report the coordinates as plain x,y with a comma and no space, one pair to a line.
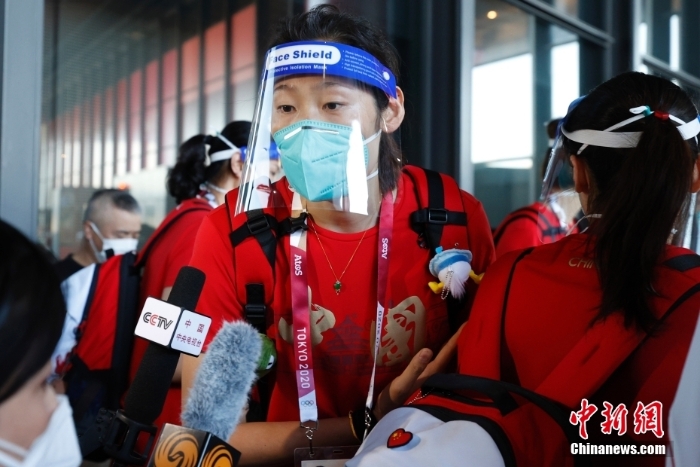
609,139
226,153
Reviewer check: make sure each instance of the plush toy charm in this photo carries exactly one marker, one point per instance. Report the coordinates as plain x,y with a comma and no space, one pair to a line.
453,268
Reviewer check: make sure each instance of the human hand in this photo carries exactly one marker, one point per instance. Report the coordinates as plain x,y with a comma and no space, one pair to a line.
418,370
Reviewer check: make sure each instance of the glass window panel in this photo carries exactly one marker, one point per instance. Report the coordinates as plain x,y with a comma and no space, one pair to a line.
169,109
525,72
214,64
87,122
169,132
136,101
97,141
121,136
60,154
169,74
243,67
190,88
565,77
67,148
151,115
76,152
109,144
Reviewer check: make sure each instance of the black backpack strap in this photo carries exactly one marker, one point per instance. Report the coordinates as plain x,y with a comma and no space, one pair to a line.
506,357
260,226
127,316
683,263
88,303
429,221
255,308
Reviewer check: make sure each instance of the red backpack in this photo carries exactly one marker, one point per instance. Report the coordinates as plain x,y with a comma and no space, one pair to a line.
548,233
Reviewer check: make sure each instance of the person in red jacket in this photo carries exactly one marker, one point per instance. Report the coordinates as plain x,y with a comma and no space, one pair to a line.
354,273
207,168
633,146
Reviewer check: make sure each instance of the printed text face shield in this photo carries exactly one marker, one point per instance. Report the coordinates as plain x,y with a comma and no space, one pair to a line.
317,105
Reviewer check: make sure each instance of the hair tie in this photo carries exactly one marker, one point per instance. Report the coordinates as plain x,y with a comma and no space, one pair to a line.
661,115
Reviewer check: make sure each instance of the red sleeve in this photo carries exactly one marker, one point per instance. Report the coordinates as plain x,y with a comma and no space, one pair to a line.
518,234
213,255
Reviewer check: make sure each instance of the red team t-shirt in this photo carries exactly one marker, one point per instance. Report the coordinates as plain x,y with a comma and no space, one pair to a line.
172,251
554,296
342,324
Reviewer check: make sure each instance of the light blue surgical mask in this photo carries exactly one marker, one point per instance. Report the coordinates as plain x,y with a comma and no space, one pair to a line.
314,157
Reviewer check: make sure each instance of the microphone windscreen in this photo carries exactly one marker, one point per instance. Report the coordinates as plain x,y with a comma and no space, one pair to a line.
221,386
145,399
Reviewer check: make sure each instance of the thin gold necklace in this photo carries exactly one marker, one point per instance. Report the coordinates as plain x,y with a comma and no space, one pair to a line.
337,285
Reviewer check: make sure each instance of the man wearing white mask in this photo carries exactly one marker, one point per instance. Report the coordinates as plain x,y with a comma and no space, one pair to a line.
36,426
111,227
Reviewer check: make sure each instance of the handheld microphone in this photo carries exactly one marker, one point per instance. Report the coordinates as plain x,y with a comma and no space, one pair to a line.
146,396
218,395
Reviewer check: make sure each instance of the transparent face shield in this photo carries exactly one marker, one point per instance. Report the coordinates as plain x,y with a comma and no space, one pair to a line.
317,113
560,206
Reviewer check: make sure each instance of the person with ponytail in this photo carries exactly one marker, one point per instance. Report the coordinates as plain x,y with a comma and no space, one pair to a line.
207,167
620,288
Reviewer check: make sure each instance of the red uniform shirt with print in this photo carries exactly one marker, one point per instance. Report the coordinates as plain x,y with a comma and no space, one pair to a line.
172,250
554,295
342,324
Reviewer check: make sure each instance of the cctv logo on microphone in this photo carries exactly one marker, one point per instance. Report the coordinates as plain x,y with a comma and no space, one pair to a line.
155,320
173,327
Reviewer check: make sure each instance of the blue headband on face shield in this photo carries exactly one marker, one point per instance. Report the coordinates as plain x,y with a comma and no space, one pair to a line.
329,58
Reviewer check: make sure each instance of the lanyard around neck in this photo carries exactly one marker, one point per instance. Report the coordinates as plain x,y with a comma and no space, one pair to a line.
301,324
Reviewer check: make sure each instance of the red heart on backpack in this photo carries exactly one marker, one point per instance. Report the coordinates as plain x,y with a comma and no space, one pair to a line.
399,438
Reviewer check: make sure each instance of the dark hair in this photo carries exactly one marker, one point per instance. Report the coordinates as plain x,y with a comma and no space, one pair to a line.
119,199
641,193
32,310
191,170
326,22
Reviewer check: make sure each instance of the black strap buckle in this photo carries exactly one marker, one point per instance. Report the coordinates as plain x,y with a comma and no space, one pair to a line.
437,216
293,224
258,224
255,310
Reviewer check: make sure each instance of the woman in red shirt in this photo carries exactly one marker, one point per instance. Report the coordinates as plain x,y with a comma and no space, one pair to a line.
207,168
329,101
633,146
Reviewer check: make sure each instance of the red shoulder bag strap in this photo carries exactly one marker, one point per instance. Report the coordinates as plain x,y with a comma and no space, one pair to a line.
158,234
